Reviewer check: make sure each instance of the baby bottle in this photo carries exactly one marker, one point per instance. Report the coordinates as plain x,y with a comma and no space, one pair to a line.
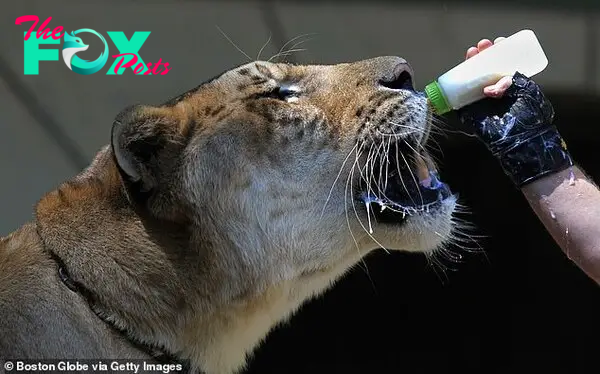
464,84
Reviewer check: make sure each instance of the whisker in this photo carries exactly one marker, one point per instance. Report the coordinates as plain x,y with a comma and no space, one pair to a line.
379,158
346,209
290,50
348,180
337,177
402,179
232,43
293,47
435,265
298,43
290,41
432,266
387,164
263,47
393,135
438,149
287,53
370,231
445,128
422,131
412,174
367,175
414,128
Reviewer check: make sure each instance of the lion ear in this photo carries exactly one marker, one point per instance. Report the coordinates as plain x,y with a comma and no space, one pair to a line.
146,141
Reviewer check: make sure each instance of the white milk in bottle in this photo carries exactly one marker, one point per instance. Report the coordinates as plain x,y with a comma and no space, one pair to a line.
464,84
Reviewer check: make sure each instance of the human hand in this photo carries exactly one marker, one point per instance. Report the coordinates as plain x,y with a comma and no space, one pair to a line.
515,122
498,89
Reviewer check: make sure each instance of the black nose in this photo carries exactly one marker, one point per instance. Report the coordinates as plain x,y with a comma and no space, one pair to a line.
396,74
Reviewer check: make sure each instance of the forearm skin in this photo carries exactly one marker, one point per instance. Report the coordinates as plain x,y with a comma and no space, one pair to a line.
568,204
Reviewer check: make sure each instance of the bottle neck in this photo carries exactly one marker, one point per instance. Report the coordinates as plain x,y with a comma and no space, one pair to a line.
436,98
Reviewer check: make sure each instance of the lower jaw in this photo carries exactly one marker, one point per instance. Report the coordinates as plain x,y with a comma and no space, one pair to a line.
386,210
383,204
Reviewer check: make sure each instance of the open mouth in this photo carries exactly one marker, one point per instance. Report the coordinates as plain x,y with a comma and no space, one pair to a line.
402,184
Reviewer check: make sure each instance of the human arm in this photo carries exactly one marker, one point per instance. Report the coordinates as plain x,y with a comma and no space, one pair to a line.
516,124
568,204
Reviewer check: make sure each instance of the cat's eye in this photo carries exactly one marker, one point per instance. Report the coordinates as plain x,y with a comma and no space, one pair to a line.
286,93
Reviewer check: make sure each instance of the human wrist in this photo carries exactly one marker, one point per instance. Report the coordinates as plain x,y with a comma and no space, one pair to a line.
541,154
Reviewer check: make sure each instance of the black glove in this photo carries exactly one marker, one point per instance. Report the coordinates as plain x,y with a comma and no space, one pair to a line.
518,130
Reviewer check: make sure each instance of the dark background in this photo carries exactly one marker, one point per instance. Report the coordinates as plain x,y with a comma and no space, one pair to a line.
518,307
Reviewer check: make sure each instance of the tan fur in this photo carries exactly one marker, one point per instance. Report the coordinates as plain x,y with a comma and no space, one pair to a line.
211,218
